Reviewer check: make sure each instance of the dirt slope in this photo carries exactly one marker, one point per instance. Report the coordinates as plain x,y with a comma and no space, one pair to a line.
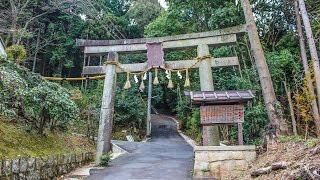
302,159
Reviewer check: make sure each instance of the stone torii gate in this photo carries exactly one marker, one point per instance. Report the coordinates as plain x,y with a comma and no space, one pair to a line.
202,41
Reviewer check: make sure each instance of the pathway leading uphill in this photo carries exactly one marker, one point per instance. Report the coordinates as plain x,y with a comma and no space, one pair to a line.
165,157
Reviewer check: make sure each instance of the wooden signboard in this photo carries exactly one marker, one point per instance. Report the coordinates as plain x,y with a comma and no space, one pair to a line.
155,55
222,114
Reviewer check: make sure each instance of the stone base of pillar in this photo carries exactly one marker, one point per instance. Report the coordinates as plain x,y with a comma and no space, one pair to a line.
221,162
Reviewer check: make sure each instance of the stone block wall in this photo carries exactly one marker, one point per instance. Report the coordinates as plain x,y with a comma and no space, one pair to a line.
47,167
221,162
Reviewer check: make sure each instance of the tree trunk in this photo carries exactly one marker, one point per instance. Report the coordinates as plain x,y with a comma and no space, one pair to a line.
36,53
314,54
293,119
43,67
315,109
262,67
14,22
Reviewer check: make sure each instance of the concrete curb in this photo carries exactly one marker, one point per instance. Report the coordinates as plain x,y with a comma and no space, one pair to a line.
117,151
190,141
146,139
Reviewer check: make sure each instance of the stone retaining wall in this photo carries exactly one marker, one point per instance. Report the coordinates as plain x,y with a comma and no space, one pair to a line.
222,161
47,167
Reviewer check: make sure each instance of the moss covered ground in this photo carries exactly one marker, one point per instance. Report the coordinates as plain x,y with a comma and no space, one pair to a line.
15,141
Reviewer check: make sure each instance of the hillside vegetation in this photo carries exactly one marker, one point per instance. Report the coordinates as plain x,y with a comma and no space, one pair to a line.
15,142
35,115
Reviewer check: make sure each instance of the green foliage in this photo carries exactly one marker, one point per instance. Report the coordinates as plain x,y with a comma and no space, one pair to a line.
164,26
255,120
193,126
226,15
105,159
130,108
16,52
311,143
50,106
285,139
282,65
39,103
313,9
142,12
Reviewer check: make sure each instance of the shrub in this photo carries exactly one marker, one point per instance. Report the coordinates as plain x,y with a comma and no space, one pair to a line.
37,103
16,52
50,106
105,159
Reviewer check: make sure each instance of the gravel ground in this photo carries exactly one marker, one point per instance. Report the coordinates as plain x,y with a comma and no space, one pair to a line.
166,156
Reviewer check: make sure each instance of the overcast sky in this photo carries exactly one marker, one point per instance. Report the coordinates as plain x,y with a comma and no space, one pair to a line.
163,3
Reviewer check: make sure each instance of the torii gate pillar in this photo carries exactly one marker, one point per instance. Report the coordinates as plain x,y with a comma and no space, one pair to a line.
210,134
107,108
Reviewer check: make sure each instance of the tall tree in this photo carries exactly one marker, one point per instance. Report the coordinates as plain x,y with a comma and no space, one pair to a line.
142,12
305,63
263,70
313,51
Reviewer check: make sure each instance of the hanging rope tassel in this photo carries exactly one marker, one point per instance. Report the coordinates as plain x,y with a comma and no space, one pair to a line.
156,80
187,81
170,84
142,83
127,84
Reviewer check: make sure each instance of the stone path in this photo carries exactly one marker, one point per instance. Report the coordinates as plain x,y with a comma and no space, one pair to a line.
165,157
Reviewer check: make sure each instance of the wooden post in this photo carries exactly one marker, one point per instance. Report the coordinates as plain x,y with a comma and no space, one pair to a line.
83,66
107,108
206,83
240,134
87,77
149,105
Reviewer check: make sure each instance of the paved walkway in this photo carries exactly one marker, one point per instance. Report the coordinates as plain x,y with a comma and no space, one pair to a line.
165,157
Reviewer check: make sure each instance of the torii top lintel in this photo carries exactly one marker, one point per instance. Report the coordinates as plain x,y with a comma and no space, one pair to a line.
212,38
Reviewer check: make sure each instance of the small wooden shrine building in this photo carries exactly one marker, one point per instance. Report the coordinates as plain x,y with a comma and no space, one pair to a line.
221,108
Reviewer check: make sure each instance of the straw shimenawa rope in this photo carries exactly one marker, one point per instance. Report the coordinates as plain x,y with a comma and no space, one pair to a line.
128,84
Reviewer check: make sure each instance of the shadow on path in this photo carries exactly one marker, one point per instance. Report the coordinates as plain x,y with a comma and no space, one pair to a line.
165,157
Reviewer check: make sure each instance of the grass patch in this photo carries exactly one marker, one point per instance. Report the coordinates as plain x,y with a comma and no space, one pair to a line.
16,142
284,139
309,143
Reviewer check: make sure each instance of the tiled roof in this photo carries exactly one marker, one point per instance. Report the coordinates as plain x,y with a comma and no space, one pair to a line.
219,97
